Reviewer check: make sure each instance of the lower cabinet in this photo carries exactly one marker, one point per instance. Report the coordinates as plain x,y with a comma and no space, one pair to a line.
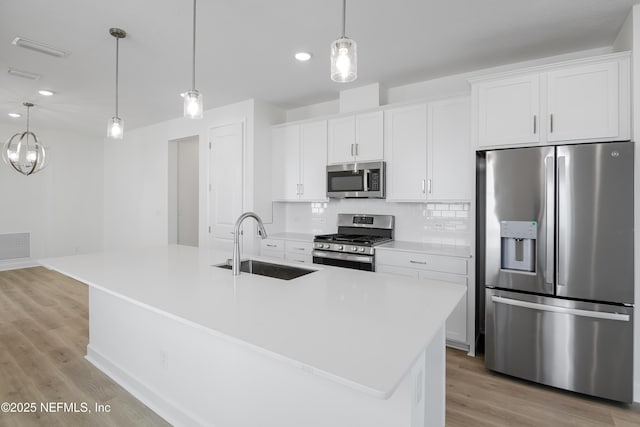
435,267
290,250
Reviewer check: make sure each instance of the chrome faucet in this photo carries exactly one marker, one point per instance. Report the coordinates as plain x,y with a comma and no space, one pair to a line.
235,262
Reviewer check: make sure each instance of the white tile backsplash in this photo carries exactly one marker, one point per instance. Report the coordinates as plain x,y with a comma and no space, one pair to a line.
440,223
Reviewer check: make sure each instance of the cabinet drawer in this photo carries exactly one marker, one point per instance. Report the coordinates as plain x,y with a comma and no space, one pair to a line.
298,247
398,271
272,245
307,259
422,261
272,254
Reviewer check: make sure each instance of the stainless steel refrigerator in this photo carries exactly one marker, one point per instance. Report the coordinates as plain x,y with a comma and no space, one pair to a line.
556,229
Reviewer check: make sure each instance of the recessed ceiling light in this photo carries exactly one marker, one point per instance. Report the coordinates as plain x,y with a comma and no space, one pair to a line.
15,115
183,94
303,56
39,47
45,92
23,74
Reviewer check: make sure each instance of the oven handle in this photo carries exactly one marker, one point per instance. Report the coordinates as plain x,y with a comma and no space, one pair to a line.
343,256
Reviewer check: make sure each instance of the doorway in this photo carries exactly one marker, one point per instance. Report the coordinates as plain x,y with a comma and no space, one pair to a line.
183,215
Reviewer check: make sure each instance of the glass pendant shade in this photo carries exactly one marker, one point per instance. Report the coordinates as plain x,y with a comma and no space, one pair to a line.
115,128
344,60
25,153
193,104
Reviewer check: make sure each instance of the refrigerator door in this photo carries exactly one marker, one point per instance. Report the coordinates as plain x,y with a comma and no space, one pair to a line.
519,213
578,346
594,211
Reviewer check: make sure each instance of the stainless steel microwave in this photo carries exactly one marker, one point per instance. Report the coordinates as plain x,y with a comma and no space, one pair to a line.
356,180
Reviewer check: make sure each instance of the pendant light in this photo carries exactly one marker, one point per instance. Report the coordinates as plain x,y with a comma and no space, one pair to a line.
115,127
344,55
23,155
192,98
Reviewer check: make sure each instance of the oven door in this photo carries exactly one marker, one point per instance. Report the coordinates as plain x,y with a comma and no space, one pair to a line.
339,259
356,180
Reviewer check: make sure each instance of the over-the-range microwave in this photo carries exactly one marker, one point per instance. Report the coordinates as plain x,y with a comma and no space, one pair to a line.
356,180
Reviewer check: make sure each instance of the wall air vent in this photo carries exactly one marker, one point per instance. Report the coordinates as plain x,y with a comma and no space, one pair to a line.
15,245
39,47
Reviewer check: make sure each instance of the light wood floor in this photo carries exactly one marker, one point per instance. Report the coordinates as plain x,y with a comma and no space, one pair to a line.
43,338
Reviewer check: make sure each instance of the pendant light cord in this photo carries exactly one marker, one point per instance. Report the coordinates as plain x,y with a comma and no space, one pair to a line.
117,56
28,108
193,65
344,17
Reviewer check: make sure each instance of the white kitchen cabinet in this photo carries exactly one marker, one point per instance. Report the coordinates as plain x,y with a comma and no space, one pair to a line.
435,267
585,100
428,152
299,160
450,166
405,152
288,249
356,137
509,111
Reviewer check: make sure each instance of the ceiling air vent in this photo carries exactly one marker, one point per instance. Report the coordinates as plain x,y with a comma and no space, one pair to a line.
39,47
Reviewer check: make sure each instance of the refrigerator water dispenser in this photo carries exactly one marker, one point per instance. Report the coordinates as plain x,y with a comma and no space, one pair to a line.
518,245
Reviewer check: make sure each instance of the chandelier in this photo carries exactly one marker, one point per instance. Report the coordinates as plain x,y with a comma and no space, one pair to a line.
24,152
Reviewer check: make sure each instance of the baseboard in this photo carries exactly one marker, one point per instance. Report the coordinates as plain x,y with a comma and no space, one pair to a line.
166,409
14,264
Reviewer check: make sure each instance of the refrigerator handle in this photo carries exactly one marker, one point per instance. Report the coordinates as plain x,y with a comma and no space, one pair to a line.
562,207
564,310
549,218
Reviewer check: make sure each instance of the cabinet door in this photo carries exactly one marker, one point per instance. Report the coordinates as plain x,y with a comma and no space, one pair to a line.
369,136
583,102
313,160
449,150
341,139
456,325
405,151
509,111
286,162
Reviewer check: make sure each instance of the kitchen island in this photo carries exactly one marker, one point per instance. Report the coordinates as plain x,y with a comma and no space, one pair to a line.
199,346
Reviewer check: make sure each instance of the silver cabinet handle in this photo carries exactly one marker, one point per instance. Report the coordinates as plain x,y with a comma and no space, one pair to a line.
269,245
424,186
301,189
550,123
549,218
563,223
418,262
564,310
429,186
357,149
535,124
298,249
352,149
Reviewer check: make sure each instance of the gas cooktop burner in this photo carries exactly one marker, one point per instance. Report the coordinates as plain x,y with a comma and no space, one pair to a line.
352,238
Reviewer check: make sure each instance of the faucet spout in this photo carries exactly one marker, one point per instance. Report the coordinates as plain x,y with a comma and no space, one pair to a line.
235,263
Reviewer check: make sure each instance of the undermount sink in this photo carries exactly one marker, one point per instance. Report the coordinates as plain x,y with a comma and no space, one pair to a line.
278,271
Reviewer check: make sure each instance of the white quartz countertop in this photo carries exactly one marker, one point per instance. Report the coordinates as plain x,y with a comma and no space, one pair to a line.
302,237
428,248
361,329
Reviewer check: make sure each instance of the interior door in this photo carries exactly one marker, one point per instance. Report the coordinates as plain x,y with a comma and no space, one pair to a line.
595,222
226,175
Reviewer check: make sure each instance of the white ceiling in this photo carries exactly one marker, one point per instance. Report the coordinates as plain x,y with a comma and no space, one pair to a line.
245,49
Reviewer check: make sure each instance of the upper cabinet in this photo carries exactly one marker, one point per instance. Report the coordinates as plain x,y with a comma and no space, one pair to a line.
299,160
509,111
355,138
580,101
428,152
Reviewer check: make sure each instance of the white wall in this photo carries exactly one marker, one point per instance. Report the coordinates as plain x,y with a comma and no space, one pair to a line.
136,174
61,206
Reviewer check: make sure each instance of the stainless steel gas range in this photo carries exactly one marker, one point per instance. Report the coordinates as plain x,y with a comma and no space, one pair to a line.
353,246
